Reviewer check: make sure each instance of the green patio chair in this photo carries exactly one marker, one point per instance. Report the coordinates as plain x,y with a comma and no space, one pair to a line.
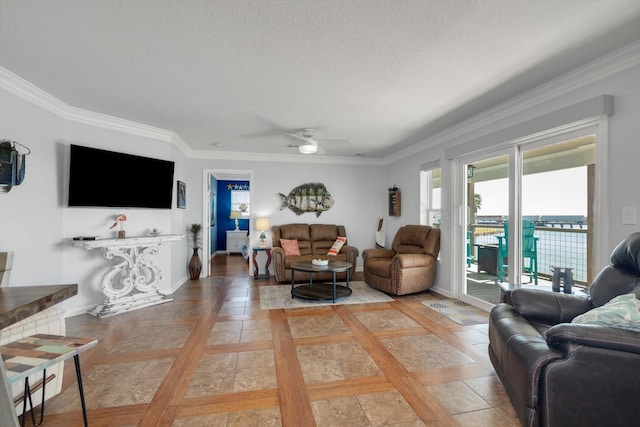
469,254
529,252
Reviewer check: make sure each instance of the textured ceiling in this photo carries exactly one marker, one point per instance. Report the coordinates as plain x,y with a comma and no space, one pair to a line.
376,76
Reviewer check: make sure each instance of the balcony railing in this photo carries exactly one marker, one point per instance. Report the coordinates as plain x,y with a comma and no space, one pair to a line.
558,247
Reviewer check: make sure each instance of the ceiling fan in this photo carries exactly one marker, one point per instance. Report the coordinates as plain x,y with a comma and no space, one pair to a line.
306,142
310,145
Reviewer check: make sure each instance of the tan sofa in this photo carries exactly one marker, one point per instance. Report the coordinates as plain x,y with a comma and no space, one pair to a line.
409,266
314,242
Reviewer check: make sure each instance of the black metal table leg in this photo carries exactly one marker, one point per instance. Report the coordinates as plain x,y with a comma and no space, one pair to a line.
334,287
76,359
27,396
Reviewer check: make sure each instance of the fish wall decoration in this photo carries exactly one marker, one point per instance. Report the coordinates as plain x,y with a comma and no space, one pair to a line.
309,197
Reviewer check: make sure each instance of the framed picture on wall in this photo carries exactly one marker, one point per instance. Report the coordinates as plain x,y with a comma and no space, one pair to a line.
182,195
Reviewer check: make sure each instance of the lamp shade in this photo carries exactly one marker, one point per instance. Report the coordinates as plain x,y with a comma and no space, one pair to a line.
235,215
262,224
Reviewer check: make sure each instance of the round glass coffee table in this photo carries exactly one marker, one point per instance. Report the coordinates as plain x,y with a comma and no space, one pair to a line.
320,291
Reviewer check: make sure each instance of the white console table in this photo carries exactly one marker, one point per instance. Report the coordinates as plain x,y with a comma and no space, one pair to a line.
130,284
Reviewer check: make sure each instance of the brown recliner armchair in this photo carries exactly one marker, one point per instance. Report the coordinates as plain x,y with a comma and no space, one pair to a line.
409,266
559,373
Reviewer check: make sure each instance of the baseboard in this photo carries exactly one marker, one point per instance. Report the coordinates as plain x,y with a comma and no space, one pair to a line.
441,291
184,279
76,311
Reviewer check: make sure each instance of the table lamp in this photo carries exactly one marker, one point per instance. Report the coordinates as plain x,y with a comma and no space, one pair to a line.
236,215
262,224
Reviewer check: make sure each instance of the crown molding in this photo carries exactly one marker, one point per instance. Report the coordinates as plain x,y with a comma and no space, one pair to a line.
286,158
33,94
608,65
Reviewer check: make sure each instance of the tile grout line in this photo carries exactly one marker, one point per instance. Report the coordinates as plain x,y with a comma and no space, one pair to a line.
425,406
177,380
295,403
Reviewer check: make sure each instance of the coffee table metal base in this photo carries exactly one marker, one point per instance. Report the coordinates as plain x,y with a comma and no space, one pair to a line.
320,291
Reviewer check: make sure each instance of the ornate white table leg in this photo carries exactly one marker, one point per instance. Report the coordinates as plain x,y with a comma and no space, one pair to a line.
130,284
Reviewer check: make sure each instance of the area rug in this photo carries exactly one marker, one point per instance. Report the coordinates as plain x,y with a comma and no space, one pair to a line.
456,310
279,296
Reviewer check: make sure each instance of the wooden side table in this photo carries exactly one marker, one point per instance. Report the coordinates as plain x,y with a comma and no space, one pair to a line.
36,353
256,270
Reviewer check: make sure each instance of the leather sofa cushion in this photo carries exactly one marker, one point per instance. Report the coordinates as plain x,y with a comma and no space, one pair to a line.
609,283
380,267
299,232
323,232
295,231
521,350
626,256
412,240
549,307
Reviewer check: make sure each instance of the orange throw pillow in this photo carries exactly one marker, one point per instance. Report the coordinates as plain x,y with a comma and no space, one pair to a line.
337,245
290,247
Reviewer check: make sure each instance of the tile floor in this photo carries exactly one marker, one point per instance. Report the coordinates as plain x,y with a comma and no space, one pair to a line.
213,358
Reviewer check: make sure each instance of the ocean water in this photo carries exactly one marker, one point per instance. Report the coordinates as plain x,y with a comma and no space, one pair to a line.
565,250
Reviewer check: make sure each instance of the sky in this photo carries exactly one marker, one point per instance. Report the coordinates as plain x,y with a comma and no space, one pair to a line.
562,192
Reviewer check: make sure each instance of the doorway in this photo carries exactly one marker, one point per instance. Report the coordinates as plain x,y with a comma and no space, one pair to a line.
212,219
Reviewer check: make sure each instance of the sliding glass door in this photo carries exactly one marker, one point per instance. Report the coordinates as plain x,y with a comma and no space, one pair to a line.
528,209
486,210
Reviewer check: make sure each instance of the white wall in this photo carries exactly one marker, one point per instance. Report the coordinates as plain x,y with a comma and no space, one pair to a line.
36,224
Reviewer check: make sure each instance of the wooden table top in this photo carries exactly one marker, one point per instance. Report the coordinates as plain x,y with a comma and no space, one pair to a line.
19,302
32,354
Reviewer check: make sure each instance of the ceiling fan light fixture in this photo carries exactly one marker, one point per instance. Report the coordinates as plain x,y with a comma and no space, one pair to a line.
308,148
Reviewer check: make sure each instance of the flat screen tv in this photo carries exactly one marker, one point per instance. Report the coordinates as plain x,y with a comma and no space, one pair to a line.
102,178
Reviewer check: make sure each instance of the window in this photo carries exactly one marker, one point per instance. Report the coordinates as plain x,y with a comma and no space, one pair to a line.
241,201
430,186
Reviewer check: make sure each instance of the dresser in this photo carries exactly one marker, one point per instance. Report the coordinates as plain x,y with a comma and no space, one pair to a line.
235,240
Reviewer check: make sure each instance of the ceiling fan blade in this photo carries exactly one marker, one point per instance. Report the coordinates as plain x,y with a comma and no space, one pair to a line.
333,142
262,134
300,137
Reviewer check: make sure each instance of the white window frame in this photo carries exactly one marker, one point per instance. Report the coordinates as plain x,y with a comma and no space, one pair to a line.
239,197
429,207
597,125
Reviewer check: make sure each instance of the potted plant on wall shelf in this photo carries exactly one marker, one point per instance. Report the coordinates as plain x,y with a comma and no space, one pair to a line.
195,265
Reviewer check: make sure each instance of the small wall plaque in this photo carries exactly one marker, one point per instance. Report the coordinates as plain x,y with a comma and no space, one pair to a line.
394,201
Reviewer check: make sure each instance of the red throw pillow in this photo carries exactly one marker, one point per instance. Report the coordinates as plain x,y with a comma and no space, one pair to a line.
337,245
290,247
